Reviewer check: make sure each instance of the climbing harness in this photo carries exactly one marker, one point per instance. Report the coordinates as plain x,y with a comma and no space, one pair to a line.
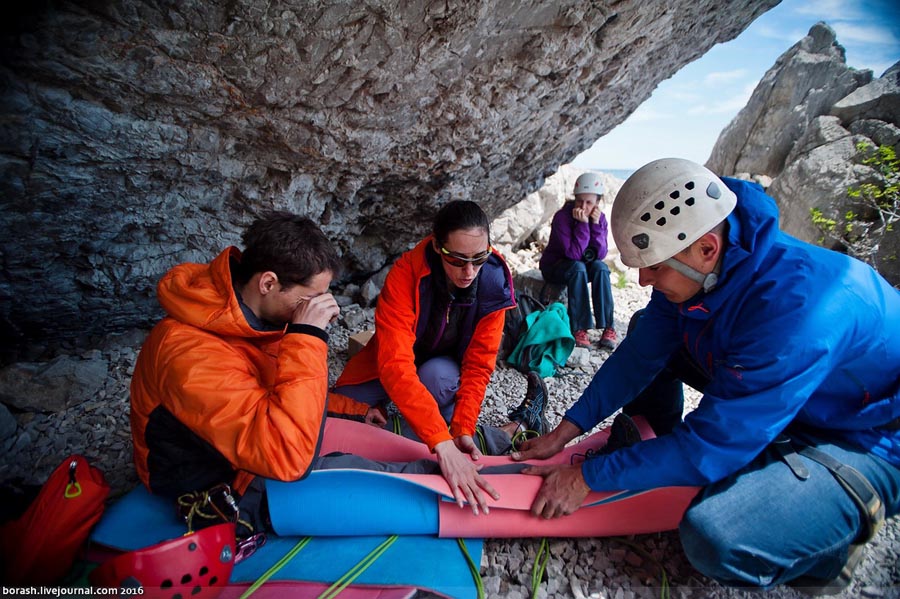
217,505
857,486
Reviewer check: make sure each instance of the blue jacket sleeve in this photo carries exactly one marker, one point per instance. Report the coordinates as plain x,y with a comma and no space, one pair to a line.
755,392
639,358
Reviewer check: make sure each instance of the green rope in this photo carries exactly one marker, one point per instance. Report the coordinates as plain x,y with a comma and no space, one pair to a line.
276,567
396,424
479,435
476,575
664,592
540,565
522,435
354,572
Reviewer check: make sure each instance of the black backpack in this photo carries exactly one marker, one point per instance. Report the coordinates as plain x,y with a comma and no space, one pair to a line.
514,327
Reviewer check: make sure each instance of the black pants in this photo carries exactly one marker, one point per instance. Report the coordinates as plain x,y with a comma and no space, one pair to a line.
662,402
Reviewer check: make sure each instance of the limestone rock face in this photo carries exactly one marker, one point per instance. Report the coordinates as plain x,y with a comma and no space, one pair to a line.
802,128
805,82
140,134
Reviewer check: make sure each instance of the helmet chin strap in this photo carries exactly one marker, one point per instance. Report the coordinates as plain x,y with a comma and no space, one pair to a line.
707,281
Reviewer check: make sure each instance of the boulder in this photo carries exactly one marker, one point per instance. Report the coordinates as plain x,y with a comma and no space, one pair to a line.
52,386
805,82
804,128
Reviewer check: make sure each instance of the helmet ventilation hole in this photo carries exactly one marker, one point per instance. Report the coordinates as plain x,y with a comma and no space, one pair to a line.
661,222
674,195
674,211
645,216
689,185
689,202
682,237
659,205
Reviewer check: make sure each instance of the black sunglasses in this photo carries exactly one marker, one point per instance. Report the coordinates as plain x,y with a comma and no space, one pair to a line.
454,259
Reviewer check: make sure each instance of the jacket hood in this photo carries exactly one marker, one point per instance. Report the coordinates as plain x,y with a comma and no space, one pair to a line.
202,295
752,232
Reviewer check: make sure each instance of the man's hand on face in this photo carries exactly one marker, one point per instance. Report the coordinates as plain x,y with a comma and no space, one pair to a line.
594,216
318,311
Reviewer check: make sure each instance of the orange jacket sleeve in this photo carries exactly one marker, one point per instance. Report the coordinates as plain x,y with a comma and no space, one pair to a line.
342,405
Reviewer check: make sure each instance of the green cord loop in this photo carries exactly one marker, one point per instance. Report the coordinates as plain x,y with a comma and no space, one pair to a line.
276,567
354,572
476,574
479,435
540,566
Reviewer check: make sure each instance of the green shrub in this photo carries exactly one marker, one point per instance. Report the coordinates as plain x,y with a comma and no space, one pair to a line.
860,232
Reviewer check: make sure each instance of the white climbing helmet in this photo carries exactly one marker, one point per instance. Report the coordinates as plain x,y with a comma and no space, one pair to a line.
664,207
589,183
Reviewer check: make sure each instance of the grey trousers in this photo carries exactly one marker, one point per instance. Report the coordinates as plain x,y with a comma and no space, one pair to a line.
441,377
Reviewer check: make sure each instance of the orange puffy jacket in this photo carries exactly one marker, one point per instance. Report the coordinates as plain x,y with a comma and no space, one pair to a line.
389,355
214,400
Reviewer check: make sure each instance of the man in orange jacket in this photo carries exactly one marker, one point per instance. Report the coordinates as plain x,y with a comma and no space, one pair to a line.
233,383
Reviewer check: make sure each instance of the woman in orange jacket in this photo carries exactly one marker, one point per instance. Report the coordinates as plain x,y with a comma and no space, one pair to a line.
438,325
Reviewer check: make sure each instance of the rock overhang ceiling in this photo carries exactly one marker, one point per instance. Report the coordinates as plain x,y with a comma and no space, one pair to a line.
140,134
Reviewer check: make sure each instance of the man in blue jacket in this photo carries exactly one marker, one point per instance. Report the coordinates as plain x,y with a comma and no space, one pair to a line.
793,346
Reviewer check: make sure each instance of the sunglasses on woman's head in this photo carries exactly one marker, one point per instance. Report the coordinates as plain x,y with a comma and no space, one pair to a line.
454,259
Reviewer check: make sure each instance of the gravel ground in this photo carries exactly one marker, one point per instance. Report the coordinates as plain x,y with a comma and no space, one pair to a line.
629,568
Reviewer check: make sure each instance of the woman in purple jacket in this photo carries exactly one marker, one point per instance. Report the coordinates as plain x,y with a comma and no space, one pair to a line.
574,258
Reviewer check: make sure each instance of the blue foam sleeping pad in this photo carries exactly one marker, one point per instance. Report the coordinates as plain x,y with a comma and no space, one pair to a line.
140,519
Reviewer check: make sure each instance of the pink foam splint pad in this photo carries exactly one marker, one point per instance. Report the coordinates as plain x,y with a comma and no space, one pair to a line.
423,504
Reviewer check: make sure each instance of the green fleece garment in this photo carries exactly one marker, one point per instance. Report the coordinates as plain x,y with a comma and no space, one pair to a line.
547,343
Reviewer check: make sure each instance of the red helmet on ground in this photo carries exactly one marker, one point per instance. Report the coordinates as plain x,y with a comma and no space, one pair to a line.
196,565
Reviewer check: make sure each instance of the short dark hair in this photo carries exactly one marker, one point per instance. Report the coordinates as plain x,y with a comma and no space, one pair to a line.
459,215
291,246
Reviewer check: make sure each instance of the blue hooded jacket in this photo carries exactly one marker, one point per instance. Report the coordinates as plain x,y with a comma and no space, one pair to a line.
793,333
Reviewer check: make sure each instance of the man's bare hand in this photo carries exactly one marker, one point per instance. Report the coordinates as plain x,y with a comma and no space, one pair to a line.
594,216
463,478
318,311
375,417
466,444
545,446
562,492
538,448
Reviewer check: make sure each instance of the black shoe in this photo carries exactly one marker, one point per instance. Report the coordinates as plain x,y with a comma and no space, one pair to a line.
815,587
530,412
623,433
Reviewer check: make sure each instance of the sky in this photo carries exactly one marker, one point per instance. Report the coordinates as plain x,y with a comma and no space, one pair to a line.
686,113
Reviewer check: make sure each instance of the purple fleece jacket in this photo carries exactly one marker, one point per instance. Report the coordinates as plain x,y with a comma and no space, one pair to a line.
569,238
